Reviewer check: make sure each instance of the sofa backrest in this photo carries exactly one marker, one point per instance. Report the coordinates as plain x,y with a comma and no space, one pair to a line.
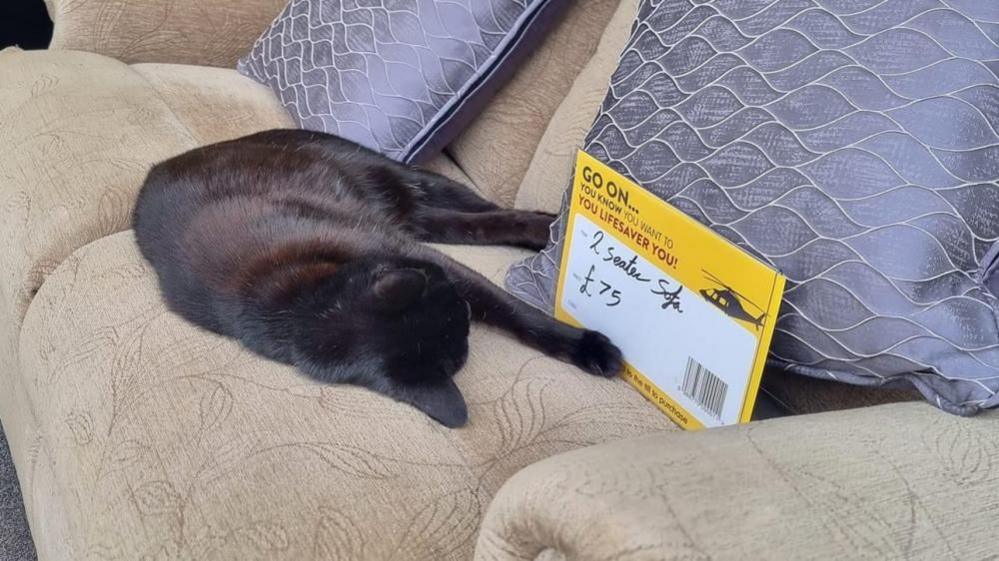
188,32
550,169
496,150
201,32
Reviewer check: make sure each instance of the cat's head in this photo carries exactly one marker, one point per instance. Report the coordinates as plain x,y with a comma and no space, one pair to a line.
394,325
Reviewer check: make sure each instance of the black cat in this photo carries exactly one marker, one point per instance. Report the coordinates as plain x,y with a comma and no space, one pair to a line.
305,247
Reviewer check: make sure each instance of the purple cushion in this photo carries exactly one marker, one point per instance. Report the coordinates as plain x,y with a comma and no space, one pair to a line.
402,77
854,146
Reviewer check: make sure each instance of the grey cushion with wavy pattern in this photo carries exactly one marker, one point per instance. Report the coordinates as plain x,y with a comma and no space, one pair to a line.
852,144
399,76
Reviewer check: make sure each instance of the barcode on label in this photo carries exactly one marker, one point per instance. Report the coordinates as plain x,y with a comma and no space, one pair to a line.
704,387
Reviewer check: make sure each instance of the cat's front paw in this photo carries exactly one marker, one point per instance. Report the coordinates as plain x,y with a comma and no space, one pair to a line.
596,354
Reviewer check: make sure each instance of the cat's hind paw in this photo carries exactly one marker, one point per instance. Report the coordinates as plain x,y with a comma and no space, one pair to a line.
596,354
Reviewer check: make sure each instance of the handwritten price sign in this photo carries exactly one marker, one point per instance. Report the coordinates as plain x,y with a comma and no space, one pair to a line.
671,296
692,313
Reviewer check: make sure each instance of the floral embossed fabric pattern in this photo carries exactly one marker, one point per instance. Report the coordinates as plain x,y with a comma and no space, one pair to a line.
739,492
137,436
399,76
166,31
851,144
176,443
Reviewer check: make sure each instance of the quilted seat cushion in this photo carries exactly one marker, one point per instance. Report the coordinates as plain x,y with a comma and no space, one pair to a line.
853,146
166,440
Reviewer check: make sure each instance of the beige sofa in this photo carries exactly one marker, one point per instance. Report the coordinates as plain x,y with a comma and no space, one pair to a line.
137,436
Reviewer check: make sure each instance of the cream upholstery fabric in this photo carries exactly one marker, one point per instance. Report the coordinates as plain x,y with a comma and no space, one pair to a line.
900,481
214,104
138,436
86,129
496,148
213,33
550,169
165,439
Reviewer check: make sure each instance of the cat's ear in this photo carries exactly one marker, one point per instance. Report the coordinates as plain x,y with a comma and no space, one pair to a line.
441,400
397,289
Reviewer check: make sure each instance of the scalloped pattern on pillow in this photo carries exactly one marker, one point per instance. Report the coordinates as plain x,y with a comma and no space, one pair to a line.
401,77
851,144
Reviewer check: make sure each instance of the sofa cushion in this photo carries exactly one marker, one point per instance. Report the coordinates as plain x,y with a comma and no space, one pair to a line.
167,440
497,146
214,104
550,167
179,31
865,172
86,128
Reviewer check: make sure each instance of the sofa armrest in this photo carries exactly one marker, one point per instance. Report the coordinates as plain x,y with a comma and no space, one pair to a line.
208,33
888,482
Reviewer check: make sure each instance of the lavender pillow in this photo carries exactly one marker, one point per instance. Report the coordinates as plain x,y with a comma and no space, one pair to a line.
851,144
402,77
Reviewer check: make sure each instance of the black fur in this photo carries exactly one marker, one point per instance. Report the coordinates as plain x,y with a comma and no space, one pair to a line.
305,247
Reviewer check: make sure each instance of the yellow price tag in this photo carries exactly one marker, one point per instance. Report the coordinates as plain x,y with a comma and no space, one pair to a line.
692,312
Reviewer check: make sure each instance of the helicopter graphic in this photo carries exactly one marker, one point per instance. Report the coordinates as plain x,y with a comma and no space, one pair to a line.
731,302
